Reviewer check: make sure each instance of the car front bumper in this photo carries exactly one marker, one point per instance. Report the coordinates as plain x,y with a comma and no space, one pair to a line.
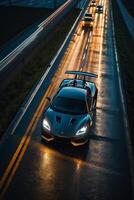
75,141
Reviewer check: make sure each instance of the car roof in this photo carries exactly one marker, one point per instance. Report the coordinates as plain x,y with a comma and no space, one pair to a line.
73,92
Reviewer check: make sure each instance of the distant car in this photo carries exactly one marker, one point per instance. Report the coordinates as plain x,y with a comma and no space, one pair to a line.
88,21
99,9
69,114
93,3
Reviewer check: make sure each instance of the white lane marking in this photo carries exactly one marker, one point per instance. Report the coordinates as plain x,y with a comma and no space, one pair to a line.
88,39
101,45
86,46
84,56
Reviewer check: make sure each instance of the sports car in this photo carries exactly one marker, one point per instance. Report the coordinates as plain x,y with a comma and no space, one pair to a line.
69,115
88,21
99,9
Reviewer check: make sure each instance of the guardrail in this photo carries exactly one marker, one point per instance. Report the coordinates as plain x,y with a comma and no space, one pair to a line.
43,28
31,103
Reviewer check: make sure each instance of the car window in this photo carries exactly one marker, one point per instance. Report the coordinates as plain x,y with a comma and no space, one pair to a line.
87,19
69,105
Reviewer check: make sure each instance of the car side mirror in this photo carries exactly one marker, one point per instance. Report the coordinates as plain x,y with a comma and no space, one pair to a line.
48,98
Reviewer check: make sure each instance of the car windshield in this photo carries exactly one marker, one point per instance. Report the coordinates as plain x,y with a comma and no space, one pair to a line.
68,105
99,6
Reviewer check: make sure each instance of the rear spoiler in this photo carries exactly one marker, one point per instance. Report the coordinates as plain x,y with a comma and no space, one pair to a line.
81,73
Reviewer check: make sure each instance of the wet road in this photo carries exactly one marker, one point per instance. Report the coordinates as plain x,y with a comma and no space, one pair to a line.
98,171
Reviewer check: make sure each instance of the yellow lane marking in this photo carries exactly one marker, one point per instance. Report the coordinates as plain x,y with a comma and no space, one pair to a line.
25,140
15,167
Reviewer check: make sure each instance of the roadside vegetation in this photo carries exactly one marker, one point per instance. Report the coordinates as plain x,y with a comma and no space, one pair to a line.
17,90
14,20
125,46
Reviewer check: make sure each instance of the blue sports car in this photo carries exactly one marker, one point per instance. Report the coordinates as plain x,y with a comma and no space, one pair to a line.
69,114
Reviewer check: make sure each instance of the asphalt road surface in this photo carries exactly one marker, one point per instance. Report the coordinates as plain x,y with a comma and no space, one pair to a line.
98,171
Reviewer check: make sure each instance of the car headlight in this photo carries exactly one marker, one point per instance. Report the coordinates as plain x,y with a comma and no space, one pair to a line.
82,130
46,125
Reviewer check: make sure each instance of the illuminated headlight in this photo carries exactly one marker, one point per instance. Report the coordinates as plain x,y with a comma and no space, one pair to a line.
82,130
46,125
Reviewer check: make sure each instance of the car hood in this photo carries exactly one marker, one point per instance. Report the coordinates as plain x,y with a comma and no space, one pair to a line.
65,125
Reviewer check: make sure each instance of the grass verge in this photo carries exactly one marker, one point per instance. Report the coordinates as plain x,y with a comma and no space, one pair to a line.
125,47
13,96
17,19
